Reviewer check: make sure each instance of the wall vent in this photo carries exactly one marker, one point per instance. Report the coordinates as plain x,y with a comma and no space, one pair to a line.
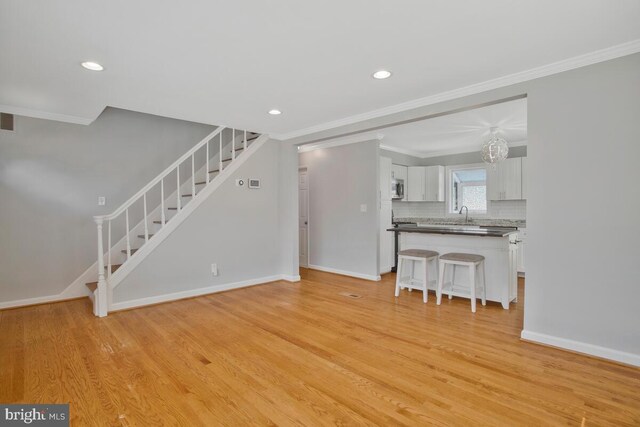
6,121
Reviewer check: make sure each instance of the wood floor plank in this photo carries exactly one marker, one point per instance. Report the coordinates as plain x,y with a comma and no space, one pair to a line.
306,354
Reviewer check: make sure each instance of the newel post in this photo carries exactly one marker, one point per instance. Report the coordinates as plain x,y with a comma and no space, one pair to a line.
100,297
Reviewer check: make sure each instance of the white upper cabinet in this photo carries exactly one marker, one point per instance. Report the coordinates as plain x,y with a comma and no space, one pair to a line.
399,172
415,184
524,178
505,181
425,184
385,179
434,186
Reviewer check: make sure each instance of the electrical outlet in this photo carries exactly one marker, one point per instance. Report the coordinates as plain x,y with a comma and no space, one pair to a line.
102,200
363,208
214,269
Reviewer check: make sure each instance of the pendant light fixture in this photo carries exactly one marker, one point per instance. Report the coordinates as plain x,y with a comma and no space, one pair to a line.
495,149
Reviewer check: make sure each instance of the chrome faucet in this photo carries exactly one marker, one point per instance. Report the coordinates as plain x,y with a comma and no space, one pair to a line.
466,218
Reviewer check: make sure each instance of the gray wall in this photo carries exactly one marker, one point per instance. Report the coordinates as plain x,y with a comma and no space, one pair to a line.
340,180
448,160
288,208
237,228
51,174
583,274
584,206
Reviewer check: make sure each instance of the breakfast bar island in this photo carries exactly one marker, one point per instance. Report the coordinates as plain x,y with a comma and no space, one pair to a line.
498,245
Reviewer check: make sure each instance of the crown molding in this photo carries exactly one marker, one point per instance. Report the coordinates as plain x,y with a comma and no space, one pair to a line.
406,151
459,150
19,111
601,55
370,136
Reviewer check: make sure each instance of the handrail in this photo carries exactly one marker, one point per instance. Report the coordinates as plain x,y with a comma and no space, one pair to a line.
158,178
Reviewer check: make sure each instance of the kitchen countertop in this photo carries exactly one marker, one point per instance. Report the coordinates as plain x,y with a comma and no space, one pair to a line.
482,232
483,222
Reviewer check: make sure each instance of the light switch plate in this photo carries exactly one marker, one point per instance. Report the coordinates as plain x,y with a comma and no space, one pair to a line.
363,208
102,200
214,269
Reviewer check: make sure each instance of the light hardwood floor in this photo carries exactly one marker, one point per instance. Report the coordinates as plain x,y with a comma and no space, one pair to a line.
306,354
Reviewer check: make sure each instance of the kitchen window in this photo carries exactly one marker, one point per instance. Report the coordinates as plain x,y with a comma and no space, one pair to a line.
467,186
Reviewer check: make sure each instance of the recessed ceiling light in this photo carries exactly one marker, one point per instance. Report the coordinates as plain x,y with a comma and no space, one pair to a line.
275,112
93,66
382,74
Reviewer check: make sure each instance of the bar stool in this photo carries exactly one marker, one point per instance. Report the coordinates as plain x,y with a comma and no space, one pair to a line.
415,255
473,262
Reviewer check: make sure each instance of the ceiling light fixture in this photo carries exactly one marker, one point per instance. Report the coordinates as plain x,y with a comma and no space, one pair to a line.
93,66
382,74
275,112
495,149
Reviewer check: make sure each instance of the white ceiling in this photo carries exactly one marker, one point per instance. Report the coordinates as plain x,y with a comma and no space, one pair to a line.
461,132
230,62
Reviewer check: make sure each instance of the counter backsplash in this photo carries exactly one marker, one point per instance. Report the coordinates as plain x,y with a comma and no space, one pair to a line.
506,213
485,222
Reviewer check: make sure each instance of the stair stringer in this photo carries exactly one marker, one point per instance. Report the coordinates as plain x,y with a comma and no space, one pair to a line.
118,276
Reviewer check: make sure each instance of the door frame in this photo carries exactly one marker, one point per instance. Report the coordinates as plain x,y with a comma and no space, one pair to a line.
306,169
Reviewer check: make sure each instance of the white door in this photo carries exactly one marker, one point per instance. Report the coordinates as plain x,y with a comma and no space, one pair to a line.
303,217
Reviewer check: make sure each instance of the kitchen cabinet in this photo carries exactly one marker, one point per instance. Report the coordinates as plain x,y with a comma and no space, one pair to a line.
524,178
386,238
425,184
415,184
434,187
504,182
385,178
522,243
399,172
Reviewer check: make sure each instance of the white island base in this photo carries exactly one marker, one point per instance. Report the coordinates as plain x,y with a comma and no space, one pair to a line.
500,253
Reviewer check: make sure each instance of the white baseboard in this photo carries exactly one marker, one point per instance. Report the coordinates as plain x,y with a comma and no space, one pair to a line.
75,290
581,347
124,305
291,278
346,273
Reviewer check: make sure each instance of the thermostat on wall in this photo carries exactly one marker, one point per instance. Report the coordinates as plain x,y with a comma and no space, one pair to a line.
254,183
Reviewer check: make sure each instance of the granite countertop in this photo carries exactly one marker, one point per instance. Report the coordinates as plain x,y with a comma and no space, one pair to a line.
482,232
483,222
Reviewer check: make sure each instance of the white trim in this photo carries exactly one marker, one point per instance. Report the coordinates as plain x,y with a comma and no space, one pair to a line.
19,111
69,293
291,277
370,136
170,226
406,151
602,55
459,150
582,347
346,273
140,302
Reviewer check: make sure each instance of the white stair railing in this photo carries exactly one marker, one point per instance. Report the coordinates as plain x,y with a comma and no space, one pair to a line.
202,148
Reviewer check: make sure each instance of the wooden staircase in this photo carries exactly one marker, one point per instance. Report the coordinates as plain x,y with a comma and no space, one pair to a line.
220,148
